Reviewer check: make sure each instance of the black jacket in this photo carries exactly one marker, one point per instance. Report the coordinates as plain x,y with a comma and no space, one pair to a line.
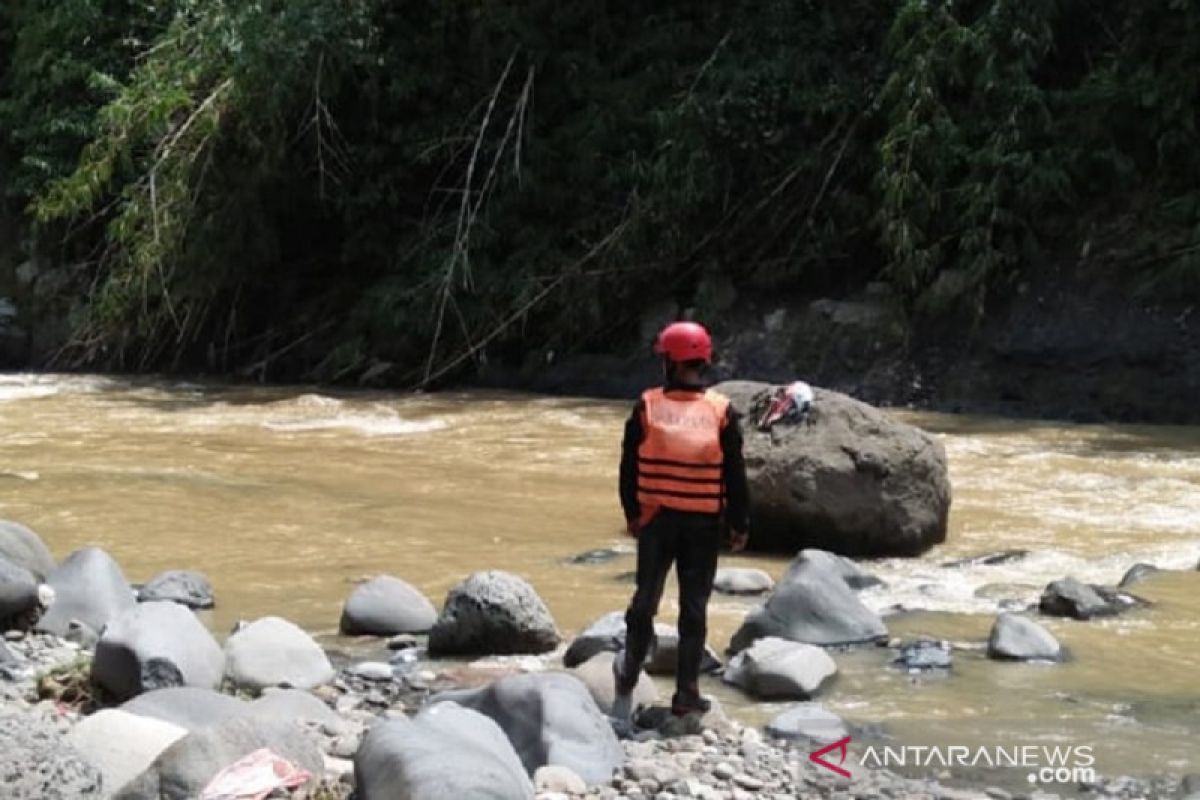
737,494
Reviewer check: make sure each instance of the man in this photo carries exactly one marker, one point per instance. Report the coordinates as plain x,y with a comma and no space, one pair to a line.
682,476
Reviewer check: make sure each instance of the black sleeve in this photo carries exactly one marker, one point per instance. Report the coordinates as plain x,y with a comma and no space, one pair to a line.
629,451
737,492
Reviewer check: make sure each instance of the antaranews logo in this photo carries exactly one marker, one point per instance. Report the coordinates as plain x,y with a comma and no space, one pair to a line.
1043,763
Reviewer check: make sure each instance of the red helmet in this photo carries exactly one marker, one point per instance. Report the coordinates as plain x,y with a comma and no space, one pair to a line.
684,341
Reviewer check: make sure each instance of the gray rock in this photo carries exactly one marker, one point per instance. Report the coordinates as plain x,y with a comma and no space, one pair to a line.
597,674
372,671
812,606
185,587
823,560
598,556
187,707
183,770
808,721
385,606
1136,574
1070,598
493,613
122,745
740,580
293,704
37,763
88,586
444,753
607,634
923,655
848,478
988,559
26,549
775,668
18,590
274,652
550,718
155,646
1017,638
558,779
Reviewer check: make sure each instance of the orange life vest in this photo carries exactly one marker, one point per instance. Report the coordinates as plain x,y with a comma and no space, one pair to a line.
680,458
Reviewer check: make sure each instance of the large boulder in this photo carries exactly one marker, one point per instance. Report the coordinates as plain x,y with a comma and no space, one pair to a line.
18,590
37,763
597,674
274,652
181,586
1070,598
808,721
187,707
183,770
26,549
386,606
778,669
813,606
493,613
1017,638
122,745
89,587
550,718
156,646
607,634
445,752
847,478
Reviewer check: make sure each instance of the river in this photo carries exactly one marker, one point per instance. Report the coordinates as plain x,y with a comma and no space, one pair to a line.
285,497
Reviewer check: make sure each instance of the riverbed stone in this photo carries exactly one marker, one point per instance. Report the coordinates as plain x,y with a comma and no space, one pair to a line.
808,721
188,707
23,547
924,655
90,587
607,634
774,668
847,478
813,606
293,704
1018,638
493,613
122,745
445,752
993,559
597,674
742,580
853,575
188,588
18,590
155,646
37,762
550,718
183,770
1136,574
274,652
386,606
1070,598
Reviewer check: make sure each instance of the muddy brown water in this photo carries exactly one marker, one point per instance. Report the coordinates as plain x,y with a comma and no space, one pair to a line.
286,496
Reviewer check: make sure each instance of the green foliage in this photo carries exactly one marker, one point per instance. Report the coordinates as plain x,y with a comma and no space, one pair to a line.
359,188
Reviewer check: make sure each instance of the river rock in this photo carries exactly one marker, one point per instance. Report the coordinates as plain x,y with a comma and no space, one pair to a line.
183,770
37,763
88,586
293,704
385,606
774,668
18,590
155,646
550,718
607,634
445,752
923,655
122,745
181,586
274,652
1017,638
740,580
848,478
23,547
813,606
987,559
823,560
188,707
493,613
808,721
1136,574
560,780
1070,598
597,674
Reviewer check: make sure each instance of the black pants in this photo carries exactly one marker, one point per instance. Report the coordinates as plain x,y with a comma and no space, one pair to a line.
692,542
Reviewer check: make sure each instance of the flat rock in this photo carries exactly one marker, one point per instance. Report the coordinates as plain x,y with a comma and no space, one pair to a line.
597,674
774,668
156,645
493,613
385,606
1017,638
808,721
122,745
185,587
37,762
23,547
742,580
89,587
274,652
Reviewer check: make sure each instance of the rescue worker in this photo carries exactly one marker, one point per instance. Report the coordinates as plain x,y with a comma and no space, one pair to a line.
682,481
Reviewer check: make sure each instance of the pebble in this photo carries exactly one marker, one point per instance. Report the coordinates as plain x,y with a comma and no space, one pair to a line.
724,771
557,779
997,793
373,671
748,782
710,736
